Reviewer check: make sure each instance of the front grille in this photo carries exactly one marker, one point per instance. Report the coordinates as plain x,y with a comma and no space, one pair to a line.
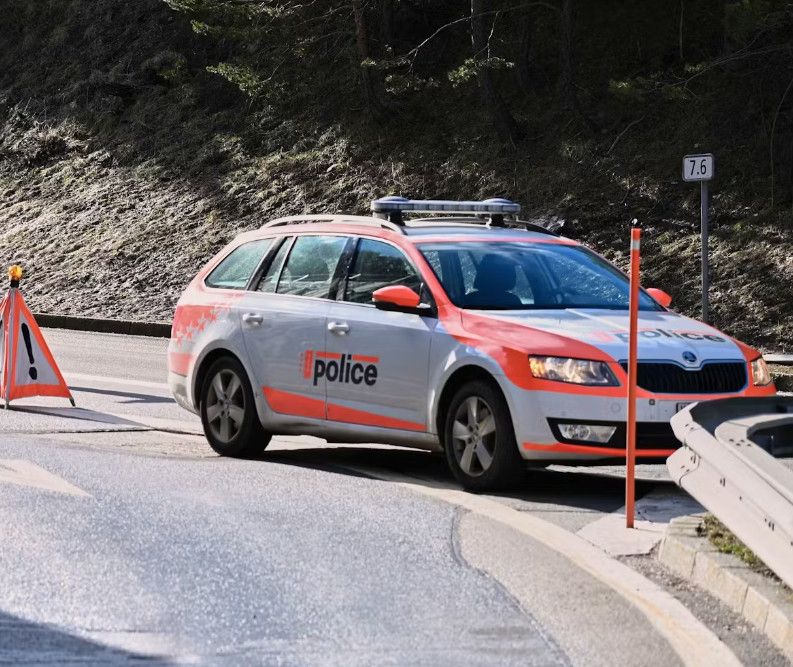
712,378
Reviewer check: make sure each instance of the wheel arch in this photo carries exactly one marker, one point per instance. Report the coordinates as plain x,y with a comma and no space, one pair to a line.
456,380
203,367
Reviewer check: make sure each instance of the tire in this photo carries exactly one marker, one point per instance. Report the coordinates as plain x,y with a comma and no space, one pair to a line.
231,424
483,455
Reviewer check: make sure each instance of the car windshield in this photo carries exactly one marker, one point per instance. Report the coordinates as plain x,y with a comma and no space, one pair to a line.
528,276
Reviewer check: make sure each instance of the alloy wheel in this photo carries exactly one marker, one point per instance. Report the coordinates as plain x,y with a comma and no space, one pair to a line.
225,410
474,436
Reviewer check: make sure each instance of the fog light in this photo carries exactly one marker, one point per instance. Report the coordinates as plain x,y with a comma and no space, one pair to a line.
588,432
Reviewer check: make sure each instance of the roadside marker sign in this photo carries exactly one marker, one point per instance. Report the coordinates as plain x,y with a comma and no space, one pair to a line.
27,367
698,167
701,168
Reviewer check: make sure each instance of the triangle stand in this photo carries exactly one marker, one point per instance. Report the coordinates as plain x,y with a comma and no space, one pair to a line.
27,367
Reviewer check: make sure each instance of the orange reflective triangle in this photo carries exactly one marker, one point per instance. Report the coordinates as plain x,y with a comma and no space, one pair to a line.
5,350
29,368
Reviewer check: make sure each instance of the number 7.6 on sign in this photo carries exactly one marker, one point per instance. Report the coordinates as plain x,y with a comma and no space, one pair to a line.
698,167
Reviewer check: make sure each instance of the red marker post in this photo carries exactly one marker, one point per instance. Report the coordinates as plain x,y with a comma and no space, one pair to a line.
630,448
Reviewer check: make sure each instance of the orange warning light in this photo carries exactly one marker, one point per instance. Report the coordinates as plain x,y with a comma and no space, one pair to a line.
15,272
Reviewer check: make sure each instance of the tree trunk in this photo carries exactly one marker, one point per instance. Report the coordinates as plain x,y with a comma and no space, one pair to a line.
503,121
524,64
567,75
680,52
387,24
369,80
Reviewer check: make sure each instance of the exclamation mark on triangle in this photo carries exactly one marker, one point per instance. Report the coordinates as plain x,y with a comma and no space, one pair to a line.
26,335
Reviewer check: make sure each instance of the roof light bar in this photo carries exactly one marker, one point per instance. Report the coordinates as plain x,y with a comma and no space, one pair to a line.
489,206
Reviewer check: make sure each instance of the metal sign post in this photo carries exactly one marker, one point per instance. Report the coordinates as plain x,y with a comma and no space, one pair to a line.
701,168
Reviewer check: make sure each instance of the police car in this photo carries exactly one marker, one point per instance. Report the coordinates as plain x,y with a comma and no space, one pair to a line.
497,342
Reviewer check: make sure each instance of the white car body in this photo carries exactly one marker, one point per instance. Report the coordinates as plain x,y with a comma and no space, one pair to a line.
351,372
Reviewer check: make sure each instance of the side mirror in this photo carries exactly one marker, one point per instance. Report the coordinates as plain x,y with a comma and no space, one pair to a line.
396,297
660,296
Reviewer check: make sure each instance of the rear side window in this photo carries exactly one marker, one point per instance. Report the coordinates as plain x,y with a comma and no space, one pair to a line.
236,269
310,266
378,265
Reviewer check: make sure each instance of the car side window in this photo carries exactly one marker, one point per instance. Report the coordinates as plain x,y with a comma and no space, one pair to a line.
448,270
236,269
310,266
377,265
269,280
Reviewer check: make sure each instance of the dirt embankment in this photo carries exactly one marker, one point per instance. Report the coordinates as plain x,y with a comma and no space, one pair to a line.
124,165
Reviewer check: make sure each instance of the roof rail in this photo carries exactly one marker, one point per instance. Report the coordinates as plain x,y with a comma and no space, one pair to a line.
392,208
334,219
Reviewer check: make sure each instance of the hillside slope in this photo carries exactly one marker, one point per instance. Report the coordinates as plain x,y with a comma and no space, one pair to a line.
124,165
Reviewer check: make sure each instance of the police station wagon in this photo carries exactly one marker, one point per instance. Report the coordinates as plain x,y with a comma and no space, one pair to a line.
495,341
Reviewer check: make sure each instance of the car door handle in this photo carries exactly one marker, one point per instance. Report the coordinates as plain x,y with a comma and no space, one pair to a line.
339,328
253,319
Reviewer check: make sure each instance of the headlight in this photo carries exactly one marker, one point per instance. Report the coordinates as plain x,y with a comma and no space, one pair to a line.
760,374
577,371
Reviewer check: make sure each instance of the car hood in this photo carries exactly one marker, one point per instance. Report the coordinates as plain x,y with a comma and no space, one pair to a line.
663,335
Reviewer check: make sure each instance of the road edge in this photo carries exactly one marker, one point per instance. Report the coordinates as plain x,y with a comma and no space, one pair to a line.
101,325
690,638
759,600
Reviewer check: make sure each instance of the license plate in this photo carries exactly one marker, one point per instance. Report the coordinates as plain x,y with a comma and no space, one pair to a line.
682,406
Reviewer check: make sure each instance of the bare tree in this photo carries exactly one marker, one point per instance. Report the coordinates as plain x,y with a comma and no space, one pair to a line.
567,65
503,121
369,76
523,64
387,23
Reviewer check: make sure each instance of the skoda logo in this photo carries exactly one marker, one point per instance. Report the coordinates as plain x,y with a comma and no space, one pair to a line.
689,357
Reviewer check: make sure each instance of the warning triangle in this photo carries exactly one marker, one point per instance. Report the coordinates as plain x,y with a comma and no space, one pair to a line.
27,367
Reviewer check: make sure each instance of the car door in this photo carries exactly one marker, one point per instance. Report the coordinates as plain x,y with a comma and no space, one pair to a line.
377,373
284,323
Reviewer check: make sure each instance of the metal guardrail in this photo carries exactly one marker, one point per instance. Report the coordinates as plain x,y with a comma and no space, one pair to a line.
780,359
730,464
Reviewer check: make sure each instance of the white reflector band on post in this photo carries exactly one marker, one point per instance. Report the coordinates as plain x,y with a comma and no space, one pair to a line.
489,206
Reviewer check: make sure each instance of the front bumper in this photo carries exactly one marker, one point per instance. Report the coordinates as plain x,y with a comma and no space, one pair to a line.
538,413
650,436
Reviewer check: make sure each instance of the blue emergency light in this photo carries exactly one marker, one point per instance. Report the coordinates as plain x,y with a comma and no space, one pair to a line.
395,206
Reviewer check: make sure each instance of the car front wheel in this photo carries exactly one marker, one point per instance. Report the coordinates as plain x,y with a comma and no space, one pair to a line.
479,439
228,411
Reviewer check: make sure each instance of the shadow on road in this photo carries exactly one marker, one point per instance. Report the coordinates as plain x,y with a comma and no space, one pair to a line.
583,488
134,398
24,642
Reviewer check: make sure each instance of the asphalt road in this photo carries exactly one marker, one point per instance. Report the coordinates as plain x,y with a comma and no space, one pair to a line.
126,540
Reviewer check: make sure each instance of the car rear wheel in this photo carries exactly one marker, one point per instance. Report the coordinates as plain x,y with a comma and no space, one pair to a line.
479,439
228,411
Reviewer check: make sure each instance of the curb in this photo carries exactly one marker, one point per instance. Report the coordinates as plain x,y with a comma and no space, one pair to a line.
128,327
764,603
